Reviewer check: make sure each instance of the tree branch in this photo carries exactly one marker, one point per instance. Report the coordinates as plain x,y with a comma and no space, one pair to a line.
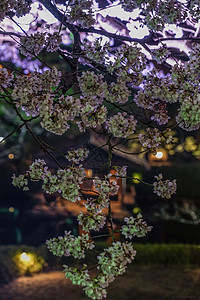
60,17
18,128
123,38
10,33
29,129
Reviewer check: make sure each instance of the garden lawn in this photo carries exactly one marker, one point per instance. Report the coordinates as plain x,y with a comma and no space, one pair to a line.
138,283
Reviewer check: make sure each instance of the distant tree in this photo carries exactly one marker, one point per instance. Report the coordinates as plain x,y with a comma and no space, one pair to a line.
108,67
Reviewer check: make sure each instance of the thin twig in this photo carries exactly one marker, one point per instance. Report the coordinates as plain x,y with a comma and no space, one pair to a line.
130,153
15,130
29,129
10,33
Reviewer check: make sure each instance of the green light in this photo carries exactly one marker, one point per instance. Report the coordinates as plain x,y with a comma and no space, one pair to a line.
136,210
137,176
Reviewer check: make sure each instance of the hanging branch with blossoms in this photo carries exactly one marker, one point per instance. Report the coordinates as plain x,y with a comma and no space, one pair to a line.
120,83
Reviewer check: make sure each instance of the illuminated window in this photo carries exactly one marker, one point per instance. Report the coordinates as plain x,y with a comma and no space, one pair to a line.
87,184
88,173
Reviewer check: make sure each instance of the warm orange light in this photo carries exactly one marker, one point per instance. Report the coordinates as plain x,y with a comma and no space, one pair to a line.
113,172
160,155
88,173
11,209
11,156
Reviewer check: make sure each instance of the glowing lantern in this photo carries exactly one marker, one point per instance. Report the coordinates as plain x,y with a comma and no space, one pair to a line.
29,262
160,155
11,209
24,257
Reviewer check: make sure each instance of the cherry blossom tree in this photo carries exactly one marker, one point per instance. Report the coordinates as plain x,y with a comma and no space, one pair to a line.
125,66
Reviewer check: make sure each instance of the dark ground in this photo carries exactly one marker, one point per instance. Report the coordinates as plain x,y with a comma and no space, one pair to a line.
138,283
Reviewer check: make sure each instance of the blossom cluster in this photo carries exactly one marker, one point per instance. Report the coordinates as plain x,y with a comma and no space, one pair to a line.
21,181
94,288
36,95
135,227
70,245
77,155
54,115
92,116
193,7
161,114
92,220
164,188
120,125
97,204
158,13
118,92
80,12
78,277
92,84
27,89
105,188
120,171
65,181
32,45
35,172
19,7
131,57
186,81
96,51
161,88
53,41
151,139
129,5
181,85
93,113
111,263
155,94
144,100
188,116
128,63
114,259
6,79
160,54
